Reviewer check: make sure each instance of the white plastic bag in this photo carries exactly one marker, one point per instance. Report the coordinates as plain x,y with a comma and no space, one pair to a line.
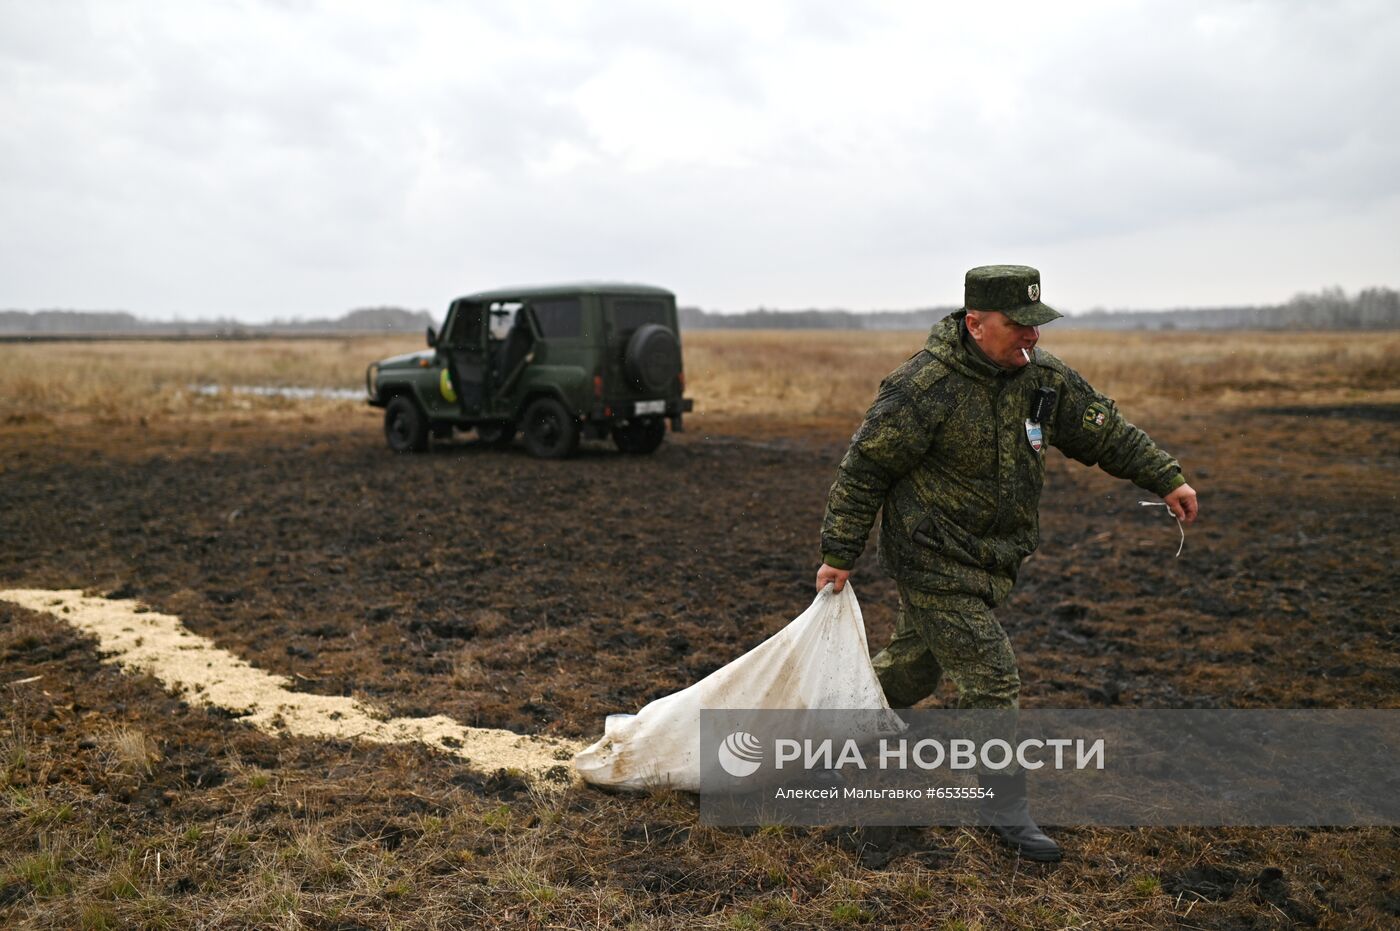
819,661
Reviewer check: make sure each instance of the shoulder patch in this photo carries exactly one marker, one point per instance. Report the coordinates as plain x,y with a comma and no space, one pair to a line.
1095,416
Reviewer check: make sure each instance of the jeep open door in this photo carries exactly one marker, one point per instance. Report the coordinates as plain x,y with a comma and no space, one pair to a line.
463,344
512,335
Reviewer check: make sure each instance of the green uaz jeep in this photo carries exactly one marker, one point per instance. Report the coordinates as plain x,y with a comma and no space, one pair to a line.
556,363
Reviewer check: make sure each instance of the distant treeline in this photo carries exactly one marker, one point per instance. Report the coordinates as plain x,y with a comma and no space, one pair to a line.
1331,309
693,318
122,323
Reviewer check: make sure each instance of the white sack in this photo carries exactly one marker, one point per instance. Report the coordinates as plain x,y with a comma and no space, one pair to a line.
819,661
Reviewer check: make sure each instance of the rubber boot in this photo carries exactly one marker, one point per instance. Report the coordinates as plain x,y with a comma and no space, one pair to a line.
1008,813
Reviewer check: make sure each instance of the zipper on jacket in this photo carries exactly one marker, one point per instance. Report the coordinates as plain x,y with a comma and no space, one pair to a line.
996,420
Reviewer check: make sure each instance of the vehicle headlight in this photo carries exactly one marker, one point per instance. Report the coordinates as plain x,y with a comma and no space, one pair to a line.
372,379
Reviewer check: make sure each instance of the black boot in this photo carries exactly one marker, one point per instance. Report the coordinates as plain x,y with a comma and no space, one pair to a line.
1008,813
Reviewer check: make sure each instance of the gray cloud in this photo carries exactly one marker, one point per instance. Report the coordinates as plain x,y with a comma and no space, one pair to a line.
259,159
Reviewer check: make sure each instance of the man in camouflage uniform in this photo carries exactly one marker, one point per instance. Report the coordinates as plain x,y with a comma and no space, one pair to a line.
952,453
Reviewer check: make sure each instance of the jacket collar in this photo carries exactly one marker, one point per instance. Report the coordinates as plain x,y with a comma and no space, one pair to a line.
950,343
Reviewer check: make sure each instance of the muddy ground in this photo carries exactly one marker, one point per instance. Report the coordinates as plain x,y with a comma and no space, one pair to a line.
542,596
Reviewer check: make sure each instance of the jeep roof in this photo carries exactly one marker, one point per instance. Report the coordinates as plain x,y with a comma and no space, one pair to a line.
558,290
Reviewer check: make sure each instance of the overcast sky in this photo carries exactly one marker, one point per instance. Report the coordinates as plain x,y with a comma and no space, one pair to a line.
296,158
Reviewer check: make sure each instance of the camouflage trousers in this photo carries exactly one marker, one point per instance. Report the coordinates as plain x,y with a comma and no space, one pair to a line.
957,636
953,635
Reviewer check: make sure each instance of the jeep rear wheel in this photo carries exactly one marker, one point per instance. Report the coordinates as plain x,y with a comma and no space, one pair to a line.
405,427
640,437
550,431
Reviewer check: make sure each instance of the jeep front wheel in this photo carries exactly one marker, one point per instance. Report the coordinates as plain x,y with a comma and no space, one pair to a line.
640,437
405,427
550,431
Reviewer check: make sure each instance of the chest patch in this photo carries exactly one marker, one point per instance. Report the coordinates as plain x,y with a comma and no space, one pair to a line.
1035,435
1095,416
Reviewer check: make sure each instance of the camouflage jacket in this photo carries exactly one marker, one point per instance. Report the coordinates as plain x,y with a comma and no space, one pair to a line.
944,452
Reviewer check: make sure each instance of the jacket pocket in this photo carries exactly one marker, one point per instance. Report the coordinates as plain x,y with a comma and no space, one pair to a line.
926,534
950,544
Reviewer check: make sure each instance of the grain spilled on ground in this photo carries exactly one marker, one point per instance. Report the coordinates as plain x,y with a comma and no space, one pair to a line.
142,640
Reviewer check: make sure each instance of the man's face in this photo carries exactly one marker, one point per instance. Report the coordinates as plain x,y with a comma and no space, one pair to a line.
1000,338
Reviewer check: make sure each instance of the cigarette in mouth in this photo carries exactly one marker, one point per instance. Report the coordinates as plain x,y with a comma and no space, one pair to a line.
1026,354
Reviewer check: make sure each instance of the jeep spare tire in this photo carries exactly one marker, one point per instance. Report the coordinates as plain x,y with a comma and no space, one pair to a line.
653,357
551,432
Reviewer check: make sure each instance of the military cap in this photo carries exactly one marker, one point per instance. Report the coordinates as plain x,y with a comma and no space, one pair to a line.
1012,289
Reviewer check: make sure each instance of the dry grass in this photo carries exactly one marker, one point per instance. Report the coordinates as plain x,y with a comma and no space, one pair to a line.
792,375
123,381
1231,368
467,670
129,754
580,861
835,373
790,372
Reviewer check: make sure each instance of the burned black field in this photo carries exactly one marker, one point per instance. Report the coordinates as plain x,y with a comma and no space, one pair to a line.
541,596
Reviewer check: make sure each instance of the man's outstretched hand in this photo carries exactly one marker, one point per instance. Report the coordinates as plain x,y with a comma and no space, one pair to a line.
838,576
1181,502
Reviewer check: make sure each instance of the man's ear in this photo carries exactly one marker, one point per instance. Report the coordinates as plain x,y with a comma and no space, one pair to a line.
974,324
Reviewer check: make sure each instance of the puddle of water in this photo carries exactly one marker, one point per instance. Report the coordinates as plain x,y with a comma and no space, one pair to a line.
281,391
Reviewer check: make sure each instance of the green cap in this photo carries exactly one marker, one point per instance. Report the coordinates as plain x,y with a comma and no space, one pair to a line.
1012,289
